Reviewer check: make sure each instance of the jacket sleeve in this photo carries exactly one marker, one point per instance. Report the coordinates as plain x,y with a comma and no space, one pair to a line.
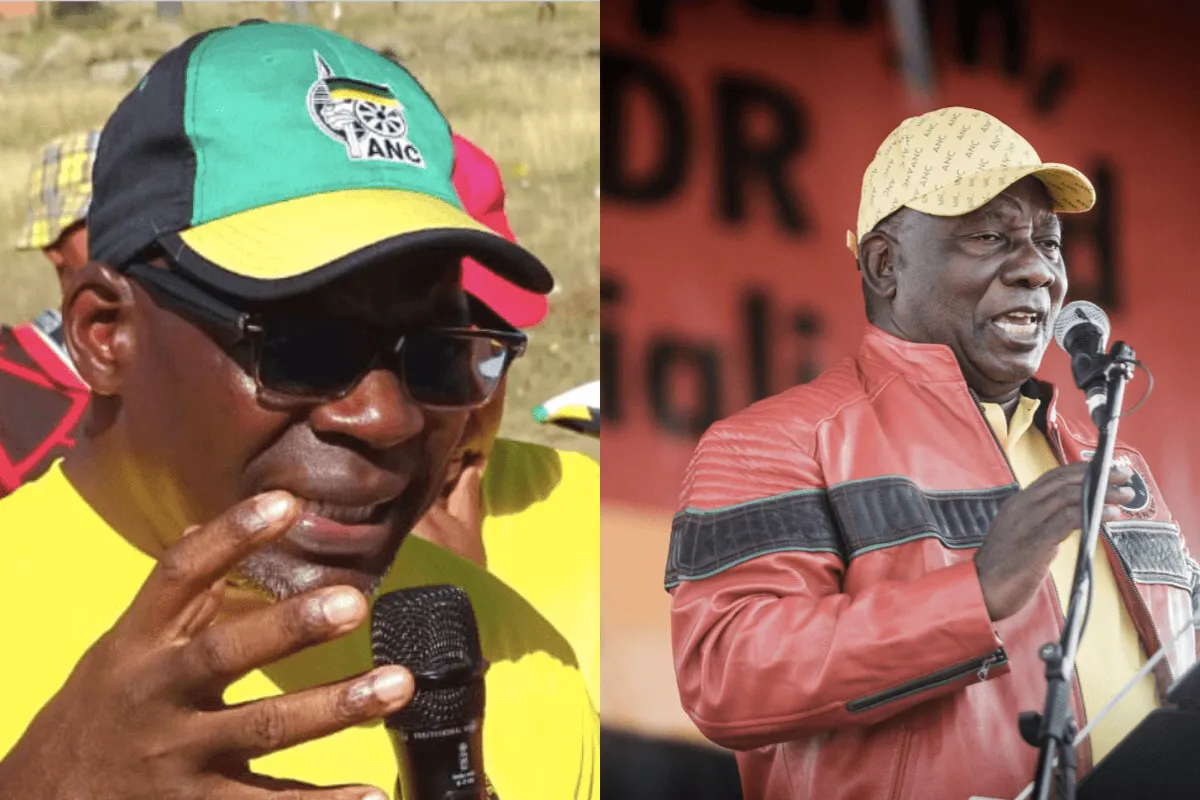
768,645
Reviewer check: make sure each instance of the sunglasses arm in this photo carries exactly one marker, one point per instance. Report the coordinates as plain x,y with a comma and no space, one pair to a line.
201,307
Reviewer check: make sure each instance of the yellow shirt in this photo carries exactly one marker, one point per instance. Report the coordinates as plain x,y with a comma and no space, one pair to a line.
1109,651
66,577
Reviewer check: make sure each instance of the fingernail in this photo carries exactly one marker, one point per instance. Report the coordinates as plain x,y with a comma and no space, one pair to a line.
271,508
391,685
375,795
339,608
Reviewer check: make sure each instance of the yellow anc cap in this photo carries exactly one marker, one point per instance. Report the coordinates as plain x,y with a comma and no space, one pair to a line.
952,161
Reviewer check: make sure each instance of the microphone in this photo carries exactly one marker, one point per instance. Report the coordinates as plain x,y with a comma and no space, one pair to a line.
438,737
1082,330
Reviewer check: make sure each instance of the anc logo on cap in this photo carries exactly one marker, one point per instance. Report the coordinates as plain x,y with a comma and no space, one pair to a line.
365,117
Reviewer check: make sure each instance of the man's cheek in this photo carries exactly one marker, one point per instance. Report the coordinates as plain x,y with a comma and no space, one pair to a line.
449,444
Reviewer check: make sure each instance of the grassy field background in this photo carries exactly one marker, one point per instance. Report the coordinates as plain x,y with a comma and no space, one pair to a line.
522,80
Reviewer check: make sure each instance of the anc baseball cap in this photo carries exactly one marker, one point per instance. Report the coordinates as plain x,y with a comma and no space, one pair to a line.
480,187
952,161
59,189
267,159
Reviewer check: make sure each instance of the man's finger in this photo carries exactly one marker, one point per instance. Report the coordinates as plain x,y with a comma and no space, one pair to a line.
198,614
1055,482
1110,514
222,653
1119,495
1065,521
255,729
193,564
1120,474
264,787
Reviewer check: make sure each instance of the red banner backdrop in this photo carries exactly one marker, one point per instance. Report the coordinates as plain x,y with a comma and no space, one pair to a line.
734,141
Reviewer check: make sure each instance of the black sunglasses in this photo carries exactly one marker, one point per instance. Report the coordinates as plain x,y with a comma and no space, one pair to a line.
321,359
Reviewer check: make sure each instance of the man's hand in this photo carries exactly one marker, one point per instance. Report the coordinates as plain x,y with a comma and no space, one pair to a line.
456,522
1025,534
142,715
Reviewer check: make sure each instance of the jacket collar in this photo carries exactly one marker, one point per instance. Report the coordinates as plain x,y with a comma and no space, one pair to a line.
925,362
935,363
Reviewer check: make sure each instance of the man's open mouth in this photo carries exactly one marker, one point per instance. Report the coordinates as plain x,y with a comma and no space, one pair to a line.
338,530
1019,323
347,515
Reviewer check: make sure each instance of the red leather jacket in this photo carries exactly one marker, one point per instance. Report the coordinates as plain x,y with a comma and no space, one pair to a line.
827,620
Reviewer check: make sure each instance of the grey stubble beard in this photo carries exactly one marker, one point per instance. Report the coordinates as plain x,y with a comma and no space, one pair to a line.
265,575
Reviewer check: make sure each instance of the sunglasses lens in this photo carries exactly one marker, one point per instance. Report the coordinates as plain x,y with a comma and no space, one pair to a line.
312,357
453,370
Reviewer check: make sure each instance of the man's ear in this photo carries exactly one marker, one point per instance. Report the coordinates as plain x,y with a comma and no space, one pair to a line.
98,328
878,256
55,256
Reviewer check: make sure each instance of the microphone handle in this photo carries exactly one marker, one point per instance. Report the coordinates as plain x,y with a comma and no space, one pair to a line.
1085,344
443,764
1096,395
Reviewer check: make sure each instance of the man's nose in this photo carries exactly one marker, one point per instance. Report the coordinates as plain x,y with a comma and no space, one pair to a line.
1032,268
378,412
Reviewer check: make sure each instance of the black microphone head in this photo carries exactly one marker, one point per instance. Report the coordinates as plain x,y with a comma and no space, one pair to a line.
431,630
1081,312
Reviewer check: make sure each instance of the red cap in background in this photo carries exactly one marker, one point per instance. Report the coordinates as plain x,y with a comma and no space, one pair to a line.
479,186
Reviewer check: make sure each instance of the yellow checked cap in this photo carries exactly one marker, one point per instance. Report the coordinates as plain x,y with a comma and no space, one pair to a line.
952,161
59,189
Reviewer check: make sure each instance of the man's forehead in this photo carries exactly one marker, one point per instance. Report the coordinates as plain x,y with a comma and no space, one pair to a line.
1027,196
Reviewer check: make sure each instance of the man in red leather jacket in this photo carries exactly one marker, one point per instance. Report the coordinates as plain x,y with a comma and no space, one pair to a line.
864,567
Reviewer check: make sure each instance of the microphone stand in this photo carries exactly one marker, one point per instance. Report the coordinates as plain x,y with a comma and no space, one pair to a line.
1053,731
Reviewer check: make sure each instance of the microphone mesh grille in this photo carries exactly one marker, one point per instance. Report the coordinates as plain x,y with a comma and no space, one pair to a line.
430,629
1078,313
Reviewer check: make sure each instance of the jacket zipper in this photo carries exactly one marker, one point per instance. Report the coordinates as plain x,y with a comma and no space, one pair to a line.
1056,445
976,666
995,438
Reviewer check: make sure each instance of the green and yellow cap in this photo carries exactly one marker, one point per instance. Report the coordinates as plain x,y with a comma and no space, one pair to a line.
268,159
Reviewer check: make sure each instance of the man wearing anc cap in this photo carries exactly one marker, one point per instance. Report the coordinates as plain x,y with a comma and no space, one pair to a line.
282,367
863,568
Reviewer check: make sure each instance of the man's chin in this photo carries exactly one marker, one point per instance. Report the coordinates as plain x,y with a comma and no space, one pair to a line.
1000,380
276,575
999,370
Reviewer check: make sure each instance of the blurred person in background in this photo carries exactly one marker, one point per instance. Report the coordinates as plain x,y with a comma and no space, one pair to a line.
864,568
42,398
575,410
518,526
58,193
539,642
